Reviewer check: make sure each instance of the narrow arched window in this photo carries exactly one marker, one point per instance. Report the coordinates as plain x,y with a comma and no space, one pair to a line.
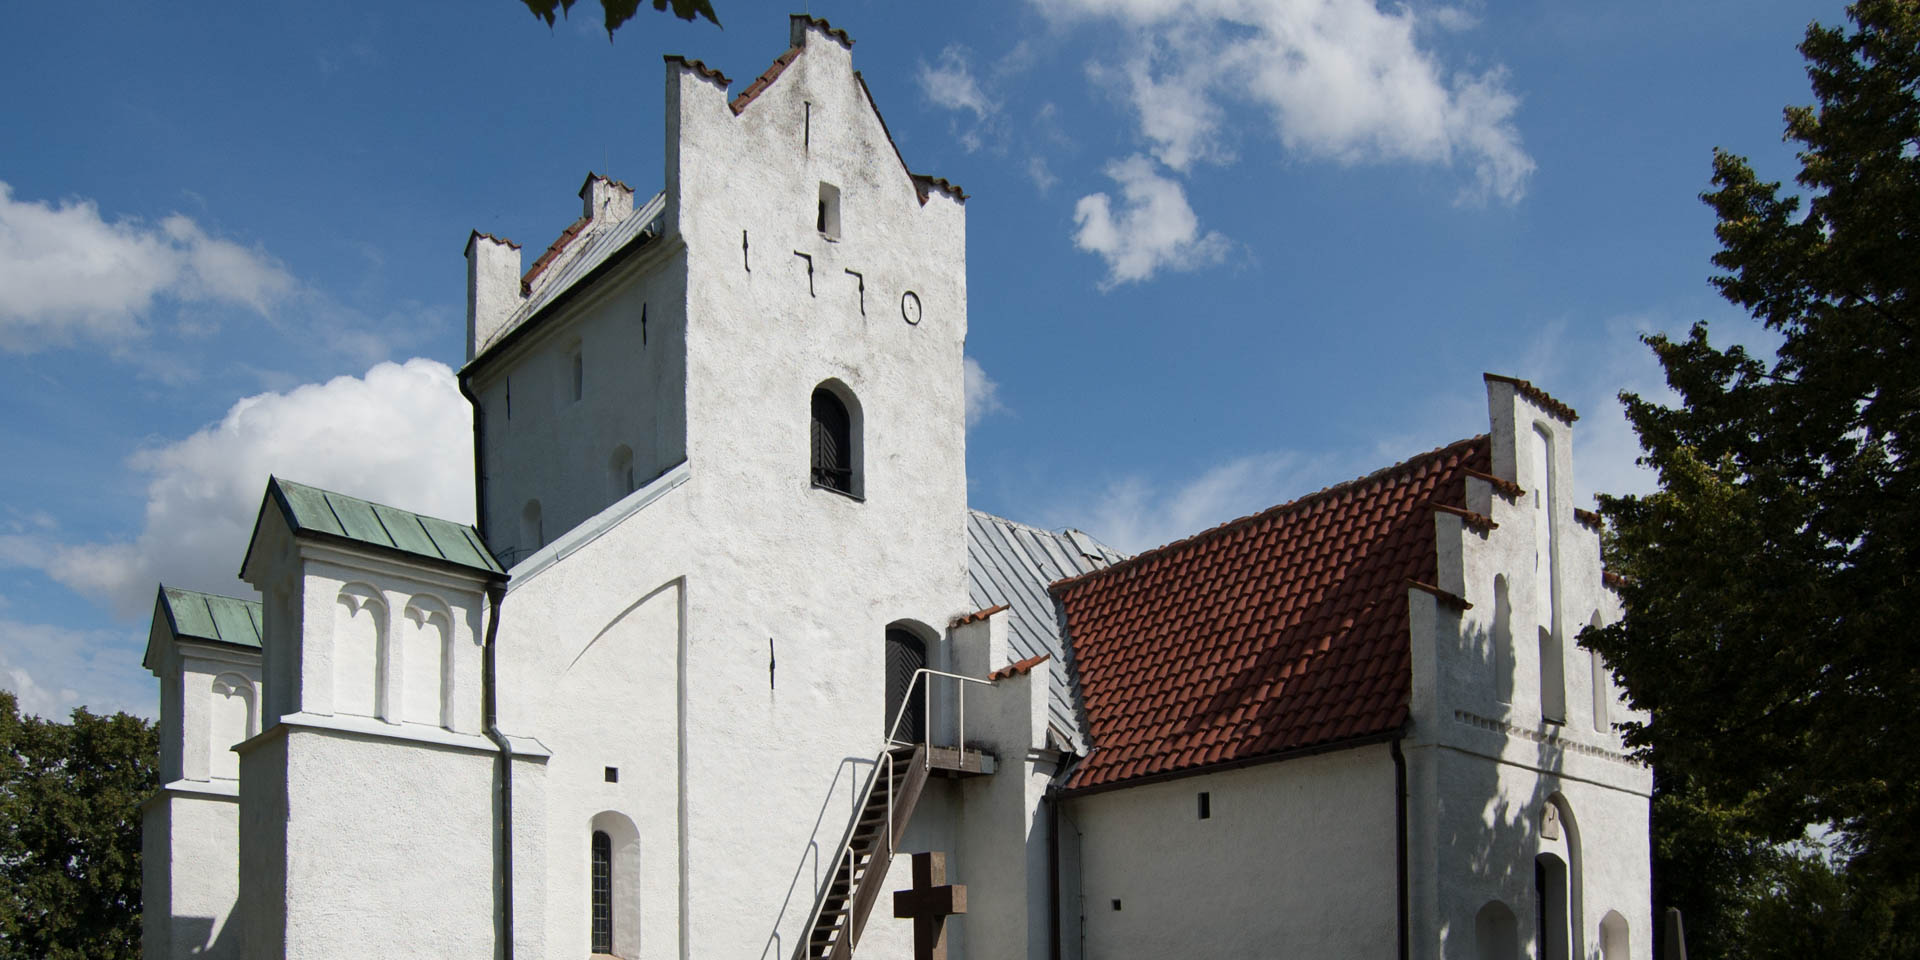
906,655
832,442
602,893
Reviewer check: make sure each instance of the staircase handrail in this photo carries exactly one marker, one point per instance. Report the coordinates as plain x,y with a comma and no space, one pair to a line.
926,703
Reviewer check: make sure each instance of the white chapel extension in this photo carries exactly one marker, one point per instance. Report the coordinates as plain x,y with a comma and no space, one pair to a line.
728,668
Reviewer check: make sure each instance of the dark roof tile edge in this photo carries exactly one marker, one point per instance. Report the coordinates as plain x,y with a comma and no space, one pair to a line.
764,80
481,233
825,27
1019,667
976,616
1478,522
552,253
1590,519
700,69
874,105
1612,579
1328,746
1447,597
922,183
1296,503
1535,394
1501,485
591,177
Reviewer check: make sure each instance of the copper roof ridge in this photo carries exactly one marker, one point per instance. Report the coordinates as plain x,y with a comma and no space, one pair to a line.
765,79
1535,394
700,69
825,27
1298,502
976,616
1503,486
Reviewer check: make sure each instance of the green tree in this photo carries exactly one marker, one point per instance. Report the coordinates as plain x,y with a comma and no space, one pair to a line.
70,834
1773,582
618,12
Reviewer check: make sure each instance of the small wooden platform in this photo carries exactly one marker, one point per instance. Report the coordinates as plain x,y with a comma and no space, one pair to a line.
955,763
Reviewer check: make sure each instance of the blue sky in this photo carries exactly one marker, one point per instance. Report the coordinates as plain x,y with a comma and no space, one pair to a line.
1221,252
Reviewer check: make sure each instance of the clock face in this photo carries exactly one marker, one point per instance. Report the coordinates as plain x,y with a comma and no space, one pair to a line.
910,306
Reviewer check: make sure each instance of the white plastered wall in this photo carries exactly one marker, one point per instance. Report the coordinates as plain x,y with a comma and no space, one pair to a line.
1484,760
1297,860
719,635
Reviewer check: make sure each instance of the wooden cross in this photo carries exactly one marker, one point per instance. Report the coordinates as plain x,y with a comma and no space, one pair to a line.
931,901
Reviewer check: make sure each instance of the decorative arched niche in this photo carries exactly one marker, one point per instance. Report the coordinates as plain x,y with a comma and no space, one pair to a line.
426,658
618,854
1496,935
359,650
233,718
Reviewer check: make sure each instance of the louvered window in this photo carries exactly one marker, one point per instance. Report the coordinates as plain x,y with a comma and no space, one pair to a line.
832,442
906,654
602,893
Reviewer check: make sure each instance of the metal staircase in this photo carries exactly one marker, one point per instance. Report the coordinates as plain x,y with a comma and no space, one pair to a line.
899,774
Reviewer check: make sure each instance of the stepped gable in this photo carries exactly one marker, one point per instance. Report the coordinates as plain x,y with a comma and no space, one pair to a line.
1269,635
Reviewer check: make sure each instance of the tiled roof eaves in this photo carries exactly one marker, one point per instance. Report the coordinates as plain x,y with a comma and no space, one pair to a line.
1501,485
552,307
827,28
552,253
1394,732
700,69
1446,597
1537,395
977,616
765,80
1588,518
1409,464
1477,522
1019,667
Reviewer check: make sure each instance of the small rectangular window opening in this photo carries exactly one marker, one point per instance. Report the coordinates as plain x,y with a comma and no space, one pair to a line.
828,219
1206,805
613,774
1116,904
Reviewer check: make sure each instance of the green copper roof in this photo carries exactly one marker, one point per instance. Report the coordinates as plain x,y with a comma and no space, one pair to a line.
312,510
205,616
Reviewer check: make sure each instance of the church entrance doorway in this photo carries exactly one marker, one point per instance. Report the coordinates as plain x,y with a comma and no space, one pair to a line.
906,654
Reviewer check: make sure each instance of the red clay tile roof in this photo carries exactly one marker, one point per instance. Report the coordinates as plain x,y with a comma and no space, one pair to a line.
1501,486
1537,395
1588,518
553,253
699,69
977,616
1266,636
765,79
1019,667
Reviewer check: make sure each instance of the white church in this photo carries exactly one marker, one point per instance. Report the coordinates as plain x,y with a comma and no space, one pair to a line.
728,668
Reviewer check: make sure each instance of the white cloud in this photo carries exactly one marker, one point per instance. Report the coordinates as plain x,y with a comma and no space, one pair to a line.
950,83
982,393
1154,227
1133,514
1042,176
54,669
66,274
1341,80
401,435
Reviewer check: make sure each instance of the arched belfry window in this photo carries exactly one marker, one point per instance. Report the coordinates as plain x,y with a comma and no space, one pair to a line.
835,438
602,892
906,654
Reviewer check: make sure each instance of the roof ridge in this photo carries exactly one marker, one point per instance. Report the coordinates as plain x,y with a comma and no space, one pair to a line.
1537,395
1238,522
371,503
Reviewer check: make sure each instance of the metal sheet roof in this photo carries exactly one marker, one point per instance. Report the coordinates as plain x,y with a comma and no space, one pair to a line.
313,510
207,616
1012,563
581,256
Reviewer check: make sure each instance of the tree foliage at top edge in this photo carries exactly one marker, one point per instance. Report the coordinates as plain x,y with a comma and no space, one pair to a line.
618,12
